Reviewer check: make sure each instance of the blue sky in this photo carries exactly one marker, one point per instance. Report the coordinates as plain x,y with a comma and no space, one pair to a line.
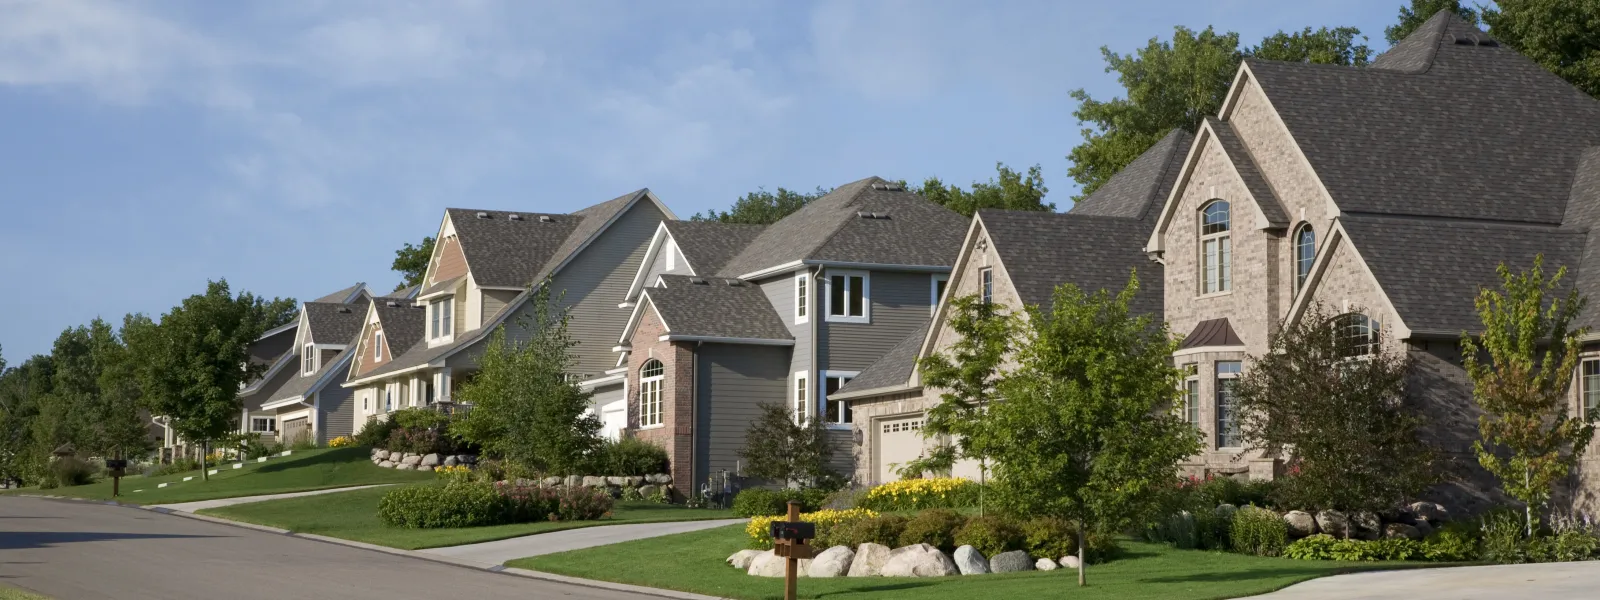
291,146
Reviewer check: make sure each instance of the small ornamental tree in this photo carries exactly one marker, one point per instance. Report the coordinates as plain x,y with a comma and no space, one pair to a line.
524,406
778,448
967,374
1528,440
1330,396
1085,431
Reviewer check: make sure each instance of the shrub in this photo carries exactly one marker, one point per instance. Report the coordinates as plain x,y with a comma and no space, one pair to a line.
763,502
760,532
990,535
629,457
304,441
341,442
1454,542
525,503
883,529
846,498
1258,531
1572,539
451,505
178,465
574,503
917,494
68,471
935,527
1502,538
376,433
454,472
1048,537
1312,547
1211,529
1326,547
420,418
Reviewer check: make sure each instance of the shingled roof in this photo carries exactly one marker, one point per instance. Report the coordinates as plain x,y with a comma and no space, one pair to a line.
709,245
1042,250
871,221
334,323
349,294
716,307
403,328
892,370
506,252
1145,181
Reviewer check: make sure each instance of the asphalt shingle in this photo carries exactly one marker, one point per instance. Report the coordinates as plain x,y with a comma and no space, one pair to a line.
1145,181
716,307
709,245
894,368
334,323
503,252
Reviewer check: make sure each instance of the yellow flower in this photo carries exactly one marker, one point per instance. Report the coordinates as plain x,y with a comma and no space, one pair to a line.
760,528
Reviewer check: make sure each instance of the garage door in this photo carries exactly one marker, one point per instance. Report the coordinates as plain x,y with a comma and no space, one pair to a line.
899,441
295,429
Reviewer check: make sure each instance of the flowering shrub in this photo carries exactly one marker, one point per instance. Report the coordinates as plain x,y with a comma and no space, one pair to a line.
341,441
760,528
454,472
917,494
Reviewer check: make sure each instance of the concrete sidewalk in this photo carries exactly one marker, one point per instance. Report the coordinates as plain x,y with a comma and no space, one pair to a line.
498,552
190,507
1554,581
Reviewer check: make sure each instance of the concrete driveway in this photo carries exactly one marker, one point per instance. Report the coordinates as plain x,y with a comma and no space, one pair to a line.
498,552
1548,581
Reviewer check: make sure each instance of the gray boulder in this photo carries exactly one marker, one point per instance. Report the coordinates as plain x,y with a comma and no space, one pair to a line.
869,561
658,478
590,481
1301,523
970,561
573,481
1226,510
649,491
431,460
1423,528
1433,513
550,481
1365,526
617,481
1333,522
1010,562
470,459
920,560
411,459
425,468
387,464
741,559
1401,530
1045,564
634,481
1069,562
405,467
381,454
451,461
766,564
833,562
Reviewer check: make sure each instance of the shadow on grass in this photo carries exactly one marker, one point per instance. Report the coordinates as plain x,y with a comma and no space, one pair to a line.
1295,571
338,455
876,588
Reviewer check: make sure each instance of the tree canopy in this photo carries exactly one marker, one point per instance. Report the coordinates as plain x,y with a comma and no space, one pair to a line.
411,262
1412,16
762,207
1010,190
1563,36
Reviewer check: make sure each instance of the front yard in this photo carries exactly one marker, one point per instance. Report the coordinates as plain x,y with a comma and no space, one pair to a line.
1145,571
353,515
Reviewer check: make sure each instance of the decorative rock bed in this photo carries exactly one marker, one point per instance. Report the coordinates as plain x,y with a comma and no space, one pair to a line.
1415,522
406,461
876,560
648,486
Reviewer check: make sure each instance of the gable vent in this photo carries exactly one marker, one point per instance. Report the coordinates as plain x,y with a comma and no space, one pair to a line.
483,215
515,217
545,219
888,186
697,281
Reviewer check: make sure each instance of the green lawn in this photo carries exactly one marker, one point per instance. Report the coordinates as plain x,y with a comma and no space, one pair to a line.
301,471
10,593
353,515
1147,571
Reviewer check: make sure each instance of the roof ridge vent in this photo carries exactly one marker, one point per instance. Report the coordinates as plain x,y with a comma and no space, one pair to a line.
483,215
545,219
344,310
697,280
514,217
889,186
393,304
735,283
871,215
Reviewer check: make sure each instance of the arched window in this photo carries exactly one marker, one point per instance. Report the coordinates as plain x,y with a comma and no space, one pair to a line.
1305,251
1357,335
1216,248
650,376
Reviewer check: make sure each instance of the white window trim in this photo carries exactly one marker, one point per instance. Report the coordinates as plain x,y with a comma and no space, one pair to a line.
1216,407
866,296
447,320
933,290
390,390
272,424
802,298
377,346
986,293
309,359
1224,285
800,395
1583,404
644,388
1194,402
672,256
822,394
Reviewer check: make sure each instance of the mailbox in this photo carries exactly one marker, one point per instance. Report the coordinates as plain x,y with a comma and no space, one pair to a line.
793,532
116,464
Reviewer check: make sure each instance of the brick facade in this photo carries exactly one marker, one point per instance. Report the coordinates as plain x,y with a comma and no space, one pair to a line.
676,433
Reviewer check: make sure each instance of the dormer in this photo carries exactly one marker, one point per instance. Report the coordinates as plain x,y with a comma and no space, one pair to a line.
694,248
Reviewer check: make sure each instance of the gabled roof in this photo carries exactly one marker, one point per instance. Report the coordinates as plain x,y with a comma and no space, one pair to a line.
1211,333
334,323
891,371
345,296
303,386
1245,165
1448,123
1144,182
1042,250
503,252
405,293
1583,213
443,286
912,231
403,329
709,245
714,308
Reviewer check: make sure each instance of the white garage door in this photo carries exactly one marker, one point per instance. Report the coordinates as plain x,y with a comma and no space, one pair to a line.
614,419
898,441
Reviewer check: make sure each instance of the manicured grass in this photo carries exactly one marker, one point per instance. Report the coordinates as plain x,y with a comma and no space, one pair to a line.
353,515
301,471
693,562
10,593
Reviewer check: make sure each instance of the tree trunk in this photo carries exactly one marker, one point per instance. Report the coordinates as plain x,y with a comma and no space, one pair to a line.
204,446
983,481
1081,555
1527,508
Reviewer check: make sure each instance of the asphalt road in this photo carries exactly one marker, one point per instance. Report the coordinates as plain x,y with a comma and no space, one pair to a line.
75,550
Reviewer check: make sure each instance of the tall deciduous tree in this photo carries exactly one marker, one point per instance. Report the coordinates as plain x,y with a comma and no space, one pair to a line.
21,458
762,207
1561,35
1331,398
1528,439
966,374
411,262
1176,84
93,400
190,365
1011,190
778,448
1086,430
1412,16
524,406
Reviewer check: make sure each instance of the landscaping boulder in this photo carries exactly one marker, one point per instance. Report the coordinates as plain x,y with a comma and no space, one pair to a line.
1301,523
658,478
634,481
649,491
431,460
1069,562
1045,564
1423,528
920,560
617,481
550,481
741,559
1365,526
1333,522
590,481
411,459
833,562
451,461
1433,513
970,561
424,468
405,467
1401,530
573,481
381,454
387,464
1226,510
1010,562
766,564
869,560
470,459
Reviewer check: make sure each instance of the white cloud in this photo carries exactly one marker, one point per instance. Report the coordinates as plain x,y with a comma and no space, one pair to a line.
117,53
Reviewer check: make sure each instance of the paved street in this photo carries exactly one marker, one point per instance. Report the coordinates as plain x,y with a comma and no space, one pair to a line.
1550,581
76,550
497,552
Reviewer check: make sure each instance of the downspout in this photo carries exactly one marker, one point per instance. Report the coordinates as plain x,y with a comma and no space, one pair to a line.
694,415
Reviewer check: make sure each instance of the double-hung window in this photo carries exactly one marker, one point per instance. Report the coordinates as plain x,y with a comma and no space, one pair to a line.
1305,252
308,359
440,316
1216,248
802,298
848,296
650,377
986,283
1228,435
836,413
377,346
802,403
1191,394
263,425
1591,387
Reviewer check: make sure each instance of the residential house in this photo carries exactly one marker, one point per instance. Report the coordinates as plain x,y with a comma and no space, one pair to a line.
1014,259
417,352
292,398
1388,194
725,318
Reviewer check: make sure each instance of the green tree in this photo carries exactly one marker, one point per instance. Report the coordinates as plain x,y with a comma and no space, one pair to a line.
1176,84
1011,191
1335,405
762,207
1086,431
966,373
190,365
778,448
411,262
1412,17
93,403
524,406
1561,35
1528,440
22,458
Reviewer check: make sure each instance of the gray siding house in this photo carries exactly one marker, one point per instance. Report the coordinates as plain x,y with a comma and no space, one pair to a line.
293,399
